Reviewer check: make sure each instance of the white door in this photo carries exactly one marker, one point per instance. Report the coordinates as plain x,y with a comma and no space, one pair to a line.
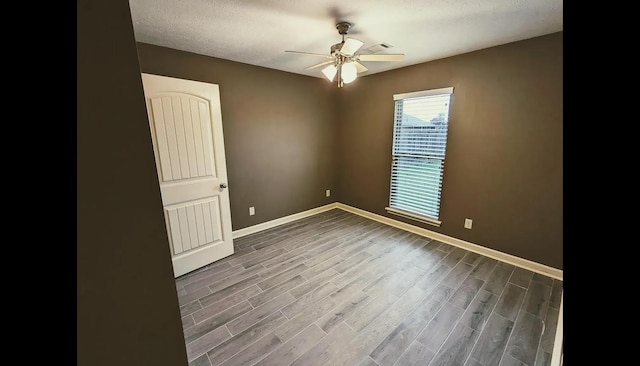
186,128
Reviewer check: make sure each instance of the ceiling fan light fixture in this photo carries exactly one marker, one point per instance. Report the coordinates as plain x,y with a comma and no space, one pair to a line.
349,72
330,72
344,61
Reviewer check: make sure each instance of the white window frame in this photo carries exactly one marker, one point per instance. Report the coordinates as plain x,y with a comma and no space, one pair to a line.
397,158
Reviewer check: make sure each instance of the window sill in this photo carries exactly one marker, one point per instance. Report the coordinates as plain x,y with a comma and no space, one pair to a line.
413,216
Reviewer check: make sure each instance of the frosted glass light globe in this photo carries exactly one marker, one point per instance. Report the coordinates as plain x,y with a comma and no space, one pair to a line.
349,72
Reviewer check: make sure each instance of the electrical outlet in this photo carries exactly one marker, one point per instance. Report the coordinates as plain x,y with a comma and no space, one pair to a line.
328,192
252,211
468,223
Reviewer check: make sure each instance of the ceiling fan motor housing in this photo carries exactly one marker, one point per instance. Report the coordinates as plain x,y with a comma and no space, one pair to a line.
335,48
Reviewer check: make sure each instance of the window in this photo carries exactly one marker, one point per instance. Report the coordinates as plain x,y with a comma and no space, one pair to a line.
419,144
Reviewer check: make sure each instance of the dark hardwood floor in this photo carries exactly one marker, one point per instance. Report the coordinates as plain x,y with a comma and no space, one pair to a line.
340,289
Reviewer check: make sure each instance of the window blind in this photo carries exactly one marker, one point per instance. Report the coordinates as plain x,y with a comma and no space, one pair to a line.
419,144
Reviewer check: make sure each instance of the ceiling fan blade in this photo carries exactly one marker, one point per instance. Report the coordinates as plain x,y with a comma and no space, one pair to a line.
360,67
311,54
318,65
350,46
381,57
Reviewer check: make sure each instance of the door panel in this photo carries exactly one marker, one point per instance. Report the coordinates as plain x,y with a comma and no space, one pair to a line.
183,129
186,129
194,224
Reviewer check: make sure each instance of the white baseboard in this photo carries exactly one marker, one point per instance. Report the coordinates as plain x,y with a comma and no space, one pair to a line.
503,257
283,220
556,356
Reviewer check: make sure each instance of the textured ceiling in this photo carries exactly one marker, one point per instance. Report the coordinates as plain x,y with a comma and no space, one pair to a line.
258,32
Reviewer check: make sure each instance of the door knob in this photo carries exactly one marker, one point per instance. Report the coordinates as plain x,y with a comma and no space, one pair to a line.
223,185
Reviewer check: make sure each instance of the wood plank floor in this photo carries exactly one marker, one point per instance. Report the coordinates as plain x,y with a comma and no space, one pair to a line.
339,289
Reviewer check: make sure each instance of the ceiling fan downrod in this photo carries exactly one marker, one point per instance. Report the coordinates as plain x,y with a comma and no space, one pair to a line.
343,29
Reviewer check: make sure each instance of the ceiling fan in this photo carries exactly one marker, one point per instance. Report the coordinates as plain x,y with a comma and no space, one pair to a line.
344,64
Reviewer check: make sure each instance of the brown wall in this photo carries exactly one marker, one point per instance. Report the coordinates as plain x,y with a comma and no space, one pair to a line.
504,156
278,132
127,305
503,167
